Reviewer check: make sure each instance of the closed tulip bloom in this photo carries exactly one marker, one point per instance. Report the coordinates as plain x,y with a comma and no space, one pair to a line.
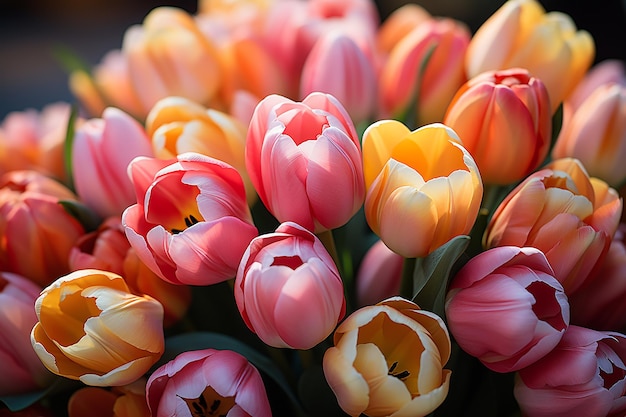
191,223
584,376
398,24
207,382
446,41
423,187
337,66
177,125
92,329
22,370
388,360
107,248
521,34
287,282
506,308
564,213
36,232
379,274
100,168
504,119
301,155
124,401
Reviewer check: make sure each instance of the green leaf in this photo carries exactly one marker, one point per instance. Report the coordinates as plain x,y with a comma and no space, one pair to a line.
69,60
87,217
20,402
433,272
178,344
68,145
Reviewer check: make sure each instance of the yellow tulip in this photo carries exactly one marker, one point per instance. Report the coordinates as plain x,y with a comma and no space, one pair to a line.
92,329
423,186
388,361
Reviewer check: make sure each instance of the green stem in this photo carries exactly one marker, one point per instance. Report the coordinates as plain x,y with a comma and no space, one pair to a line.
326,237
406,285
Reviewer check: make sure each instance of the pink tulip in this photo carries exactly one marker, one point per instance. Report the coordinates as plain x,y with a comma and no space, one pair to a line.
22,371
207,382
584,375
506,308
101,152
379,275
36,232
191,223
287,282
301,155
337,66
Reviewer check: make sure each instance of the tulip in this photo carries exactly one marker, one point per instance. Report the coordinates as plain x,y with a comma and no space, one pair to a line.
125,401
178,125
398,24
379,275
36,233
504,119
595,133
92,329
33,140
564,213
99,166
506,308
584,376
337,66
207,382
608,71
300,156
521,34
287,282
423,187
388,360
428,61
107,248
191,223
22,370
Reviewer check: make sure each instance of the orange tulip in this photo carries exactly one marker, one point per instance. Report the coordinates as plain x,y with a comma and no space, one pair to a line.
125,401
423,187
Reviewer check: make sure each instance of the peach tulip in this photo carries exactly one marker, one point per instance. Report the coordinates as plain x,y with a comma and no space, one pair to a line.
101,151
564,213
107,248
125,401
583,376
379,274
191,223
406,72
33,140
287,281
398,24
207,382
36,232
423,187
506,308
301,155
504,119
22,371
388,360
92,329
521,34
177,125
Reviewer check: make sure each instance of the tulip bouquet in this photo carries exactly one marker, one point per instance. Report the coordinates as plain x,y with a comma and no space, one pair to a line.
293,208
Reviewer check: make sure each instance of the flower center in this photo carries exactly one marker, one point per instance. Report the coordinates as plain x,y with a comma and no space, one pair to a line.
189,221
401,375
209,403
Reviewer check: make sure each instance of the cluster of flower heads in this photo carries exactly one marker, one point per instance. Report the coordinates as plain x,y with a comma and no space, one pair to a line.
231,146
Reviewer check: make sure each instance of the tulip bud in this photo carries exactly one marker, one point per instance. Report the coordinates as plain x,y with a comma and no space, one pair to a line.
100,167
398,24
207,382
287,281
506,308
22,371
388,359
423,187
92,329
379,274
301,155
505,121
584,375
191,223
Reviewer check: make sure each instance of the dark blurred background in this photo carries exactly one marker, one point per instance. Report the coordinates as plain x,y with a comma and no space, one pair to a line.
32,30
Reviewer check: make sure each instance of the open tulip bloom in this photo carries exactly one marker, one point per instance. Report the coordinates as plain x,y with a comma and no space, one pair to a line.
297,208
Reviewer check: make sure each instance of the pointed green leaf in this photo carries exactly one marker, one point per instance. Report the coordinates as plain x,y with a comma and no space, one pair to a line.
68,145
433,272
87,217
